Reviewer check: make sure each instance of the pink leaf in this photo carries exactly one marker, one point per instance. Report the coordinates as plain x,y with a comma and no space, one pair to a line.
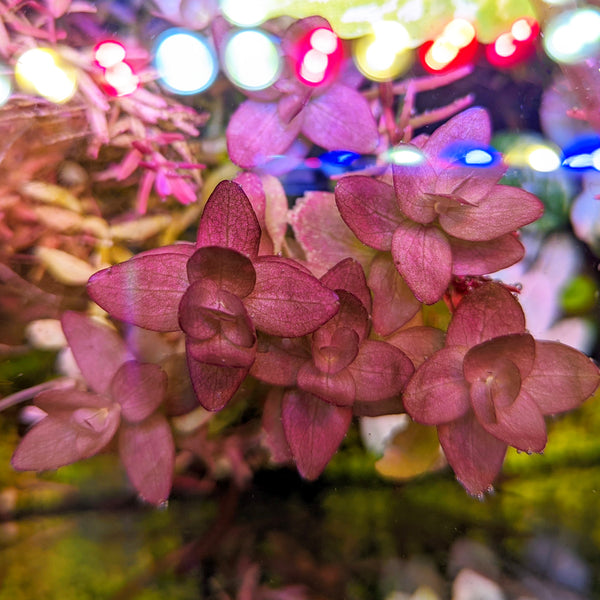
480,360
278,359
231,271
337,388
69,399
380,371
503,210
65,437
144,291
330,121
139,388
221,351
273,427
488,312
256,134
229,221
369,207
480,258
214,385
561,379
413,185
349,275
423,257
314,430
418,343
351,315
516,421
148,453
393,302
288,302
97,349
275,211
438,392
471,125
475,456
334,349
323,235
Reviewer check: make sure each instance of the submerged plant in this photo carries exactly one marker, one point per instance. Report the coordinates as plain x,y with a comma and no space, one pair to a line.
380,302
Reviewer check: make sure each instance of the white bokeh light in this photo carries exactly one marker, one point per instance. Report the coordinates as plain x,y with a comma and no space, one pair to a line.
251,59
185,62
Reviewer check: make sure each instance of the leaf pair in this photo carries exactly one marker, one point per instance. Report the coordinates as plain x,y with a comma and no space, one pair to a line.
219,291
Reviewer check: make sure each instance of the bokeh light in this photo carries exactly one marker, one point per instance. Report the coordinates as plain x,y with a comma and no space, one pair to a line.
583,154
405,154
121,79
532,151
185,61
513,47
455,47
109,53
384,54
245,13
41,71
478,157
543,159
251,59
573,36
5,84
318,56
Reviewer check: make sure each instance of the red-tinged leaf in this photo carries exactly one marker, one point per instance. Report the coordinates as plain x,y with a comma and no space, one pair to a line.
333,350
69,399
256,134
314,430
561,378
278,359
413,185
98,350
231,271
221,351
480,258
351,315
272,425
370,208
215,385
139,388
380,371
330,121
323,235
185,248
418,343
481,360
471,127
503,210
252,186
337,388
65,437
228,220
207,311
423,257
144,291
276,211
349,275
517,422
288,302
394,304
489,311
147,452
475,456
468,184
437,392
